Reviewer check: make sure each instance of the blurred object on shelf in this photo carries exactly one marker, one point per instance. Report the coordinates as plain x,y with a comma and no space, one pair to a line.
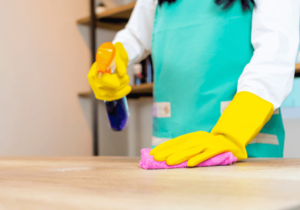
116,3
147,72
137,69
100,8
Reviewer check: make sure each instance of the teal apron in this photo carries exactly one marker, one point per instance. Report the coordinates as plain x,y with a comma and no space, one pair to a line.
199,52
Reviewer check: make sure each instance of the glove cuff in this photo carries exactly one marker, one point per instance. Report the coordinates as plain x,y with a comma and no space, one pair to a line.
243,119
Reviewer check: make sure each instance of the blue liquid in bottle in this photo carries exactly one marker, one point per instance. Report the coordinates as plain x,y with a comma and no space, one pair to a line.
118,114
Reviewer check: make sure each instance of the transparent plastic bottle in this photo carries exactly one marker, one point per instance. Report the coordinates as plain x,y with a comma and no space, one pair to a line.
117,111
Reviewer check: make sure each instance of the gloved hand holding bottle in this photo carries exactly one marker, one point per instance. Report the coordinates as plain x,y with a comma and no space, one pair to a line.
109,80
110,86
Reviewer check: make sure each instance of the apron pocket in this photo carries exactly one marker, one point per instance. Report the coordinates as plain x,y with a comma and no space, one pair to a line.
264,138
161,110
265,145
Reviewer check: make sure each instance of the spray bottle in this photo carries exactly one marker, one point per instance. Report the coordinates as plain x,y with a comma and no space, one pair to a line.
117,111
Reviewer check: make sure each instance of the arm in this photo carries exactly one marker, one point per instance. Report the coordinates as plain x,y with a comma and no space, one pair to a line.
132,44
137,35
275,38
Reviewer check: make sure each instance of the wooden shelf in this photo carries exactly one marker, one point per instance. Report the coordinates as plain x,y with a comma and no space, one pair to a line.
136,92
298,68
143,88
114,19
85,94
146,89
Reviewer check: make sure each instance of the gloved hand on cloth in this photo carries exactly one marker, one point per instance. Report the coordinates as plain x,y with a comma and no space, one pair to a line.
239,124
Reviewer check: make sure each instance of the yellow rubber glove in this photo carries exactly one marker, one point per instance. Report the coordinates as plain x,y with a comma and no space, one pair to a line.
237,127
110,87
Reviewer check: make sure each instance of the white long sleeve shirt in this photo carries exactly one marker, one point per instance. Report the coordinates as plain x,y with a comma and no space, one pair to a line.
275,38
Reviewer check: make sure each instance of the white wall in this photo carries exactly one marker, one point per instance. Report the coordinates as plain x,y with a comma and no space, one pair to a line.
291,121
292,138
131,140
140,127
43,59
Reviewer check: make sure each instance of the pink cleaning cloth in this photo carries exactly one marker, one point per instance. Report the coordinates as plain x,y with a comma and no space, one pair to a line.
148,162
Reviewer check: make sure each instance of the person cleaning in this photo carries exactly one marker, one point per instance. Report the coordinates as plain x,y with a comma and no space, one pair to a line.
222,68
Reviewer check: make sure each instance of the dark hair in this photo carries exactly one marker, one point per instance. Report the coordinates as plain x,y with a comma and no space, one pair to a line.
246,4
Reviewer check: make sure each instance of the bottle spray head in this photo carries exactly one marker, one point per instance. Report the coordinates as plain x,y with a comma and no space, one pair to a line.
105,58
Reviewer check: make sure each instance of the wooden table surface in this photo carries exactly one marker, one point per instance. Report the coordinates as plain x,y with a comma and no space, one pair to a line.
119,183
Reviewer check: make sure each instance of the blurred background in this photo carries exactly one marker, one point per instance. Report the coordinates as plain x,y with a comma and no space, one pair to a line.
45,98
